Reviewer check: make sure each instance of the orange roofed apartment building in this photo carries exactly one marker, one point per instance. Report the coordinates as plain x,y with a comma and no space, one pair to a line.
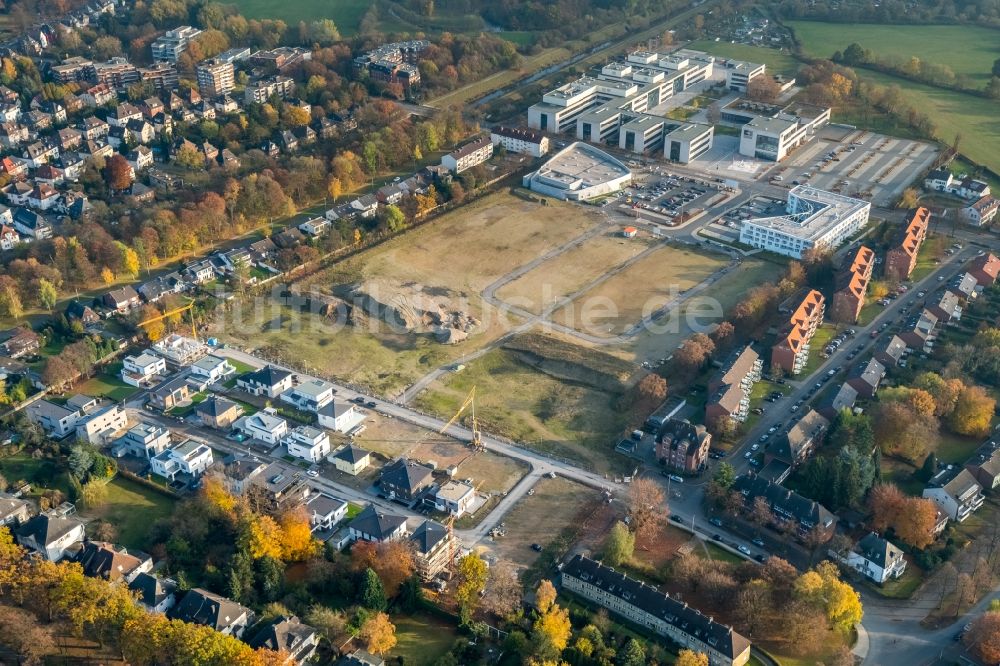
901,259
791,351
851,285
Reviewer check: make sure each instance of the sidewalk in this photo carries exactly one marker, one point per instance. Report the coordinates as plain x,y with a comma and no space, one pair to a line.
860,649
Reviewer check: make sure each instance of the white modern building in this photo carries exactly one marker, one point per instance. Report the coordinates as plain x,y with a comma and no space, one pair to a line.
265,426
310,395
143,440
455,498
469,155
98,426
813,218
325,511
579,172
144,370
190,457
739,74
212,369
308,443
169,46
340,415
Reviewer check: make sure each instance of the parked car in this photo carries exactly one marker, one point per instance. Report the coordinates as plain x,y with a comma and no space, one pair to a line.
757,541
743,549
716,521
676,479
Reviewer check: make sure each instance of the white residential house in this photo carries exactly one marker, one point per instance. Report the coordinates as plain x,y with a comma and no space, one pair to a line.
212,368
471,154
308,443
190,457
57,421
311,395
144,370
956,492
340,416
315,227
143,440
455,497
981,212
50,535
876,558
265,426
519,140
325,511
98,426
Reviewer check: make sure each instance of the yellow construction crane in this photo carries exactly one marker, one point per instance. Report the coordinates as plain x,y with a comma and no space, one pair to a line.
170,313
476,442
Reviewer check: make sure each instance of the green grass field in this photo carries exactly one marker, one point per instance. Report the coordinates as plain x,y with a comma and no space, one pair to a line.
107,384
974,118
346,14
422,639
931,43
132,508
39,473
777,61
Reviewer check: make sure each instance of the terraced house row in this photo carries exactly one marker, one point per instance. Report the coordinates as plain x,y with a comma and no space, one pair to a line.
901,259
851,286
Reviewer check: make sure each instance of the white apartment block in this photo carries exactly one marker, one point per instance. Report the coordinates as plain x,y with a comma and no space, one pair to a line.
215,77
813,218
169,46
773,138
261,91
308,443
739,74
471,154
520,141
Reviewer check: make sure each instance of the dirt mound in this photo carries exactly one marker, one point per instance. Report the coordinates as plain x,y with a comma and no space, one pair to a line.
413,307
569,362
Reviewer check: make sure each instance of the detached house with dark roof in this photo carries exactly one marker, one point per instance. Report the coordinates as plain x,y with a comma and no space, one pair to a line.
110,562
154,594
405,480
286,634
866,377
13,511
50,535
890,352
851,287
876,558
211,610
682,446
268,381
374,525
433,546
656,611
984,465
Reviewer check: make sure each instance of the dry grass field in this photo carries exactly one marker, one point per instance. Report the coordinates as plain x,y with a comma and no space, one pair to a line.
572,270
625,298
558,507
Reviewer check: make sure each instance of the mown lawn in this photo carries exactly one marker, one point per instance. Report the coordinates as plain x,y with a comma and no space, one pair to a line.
132,508
107,384
422,639
40,473
346,14
777,61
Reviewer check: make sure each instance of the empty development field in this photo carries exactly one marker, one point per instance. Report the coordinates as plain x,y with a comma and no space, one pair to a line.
549,409
445,264
625,298
777,61
572,270
345,13
552,517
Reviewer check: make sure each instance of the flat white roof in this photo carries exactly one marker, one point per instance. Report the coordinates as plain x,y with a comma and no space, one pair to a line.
580,162
818,211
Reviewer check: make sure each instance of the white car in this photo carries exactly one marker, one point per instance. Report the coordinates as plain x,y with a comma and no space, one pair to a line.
748,454
676,479
743,549
313,473
755,447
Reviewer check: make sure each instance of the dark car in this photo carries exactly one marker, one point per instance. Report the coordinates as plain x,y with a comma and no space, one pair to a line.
757,541
677,518
536,547
359,400
716,537
370,404
716,521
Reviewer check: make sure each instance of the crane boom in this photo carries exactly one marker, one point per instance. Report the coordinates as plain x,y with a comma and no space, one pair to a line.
470,400
170,313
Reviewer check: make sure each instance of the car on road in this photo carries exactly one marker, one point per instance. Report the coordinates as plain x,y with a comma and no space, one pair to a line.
677,518
716,537
313,473
748,454
757,541
794,408
358,400
773,429
755,447
831,372
743,549
370,404
761,558
676,479
716,521
536,547
763,438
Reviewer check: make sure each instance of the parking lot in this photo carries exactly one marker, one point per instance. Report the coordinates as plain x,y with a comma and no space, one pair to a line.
670,199
727,227
856,163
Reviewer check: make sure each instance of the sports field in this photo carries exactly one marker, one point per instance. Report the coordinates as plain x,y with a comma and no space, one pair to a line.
931,43
566,274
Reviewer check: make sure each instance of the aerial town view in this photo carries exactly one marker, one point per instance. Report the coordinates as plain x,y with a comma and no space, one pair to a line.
517,332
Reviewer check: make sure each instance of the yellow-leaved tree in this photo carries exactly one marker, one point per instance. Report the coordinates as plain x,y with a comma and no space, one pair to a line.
297,542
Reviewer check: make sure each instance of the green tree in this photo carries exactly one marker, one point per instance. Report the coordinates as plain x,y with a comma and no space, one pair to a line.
80,461
372,591
619,545
631,654
47,294
725,476
855,54
94,494
996,67
394,218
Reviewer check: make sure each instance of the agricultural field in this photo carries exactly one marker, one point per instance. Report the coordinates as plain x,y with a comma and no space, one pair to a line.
640,289
572,270
953,113
568,508
777,61
930,43
446,263
560,418
346,14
